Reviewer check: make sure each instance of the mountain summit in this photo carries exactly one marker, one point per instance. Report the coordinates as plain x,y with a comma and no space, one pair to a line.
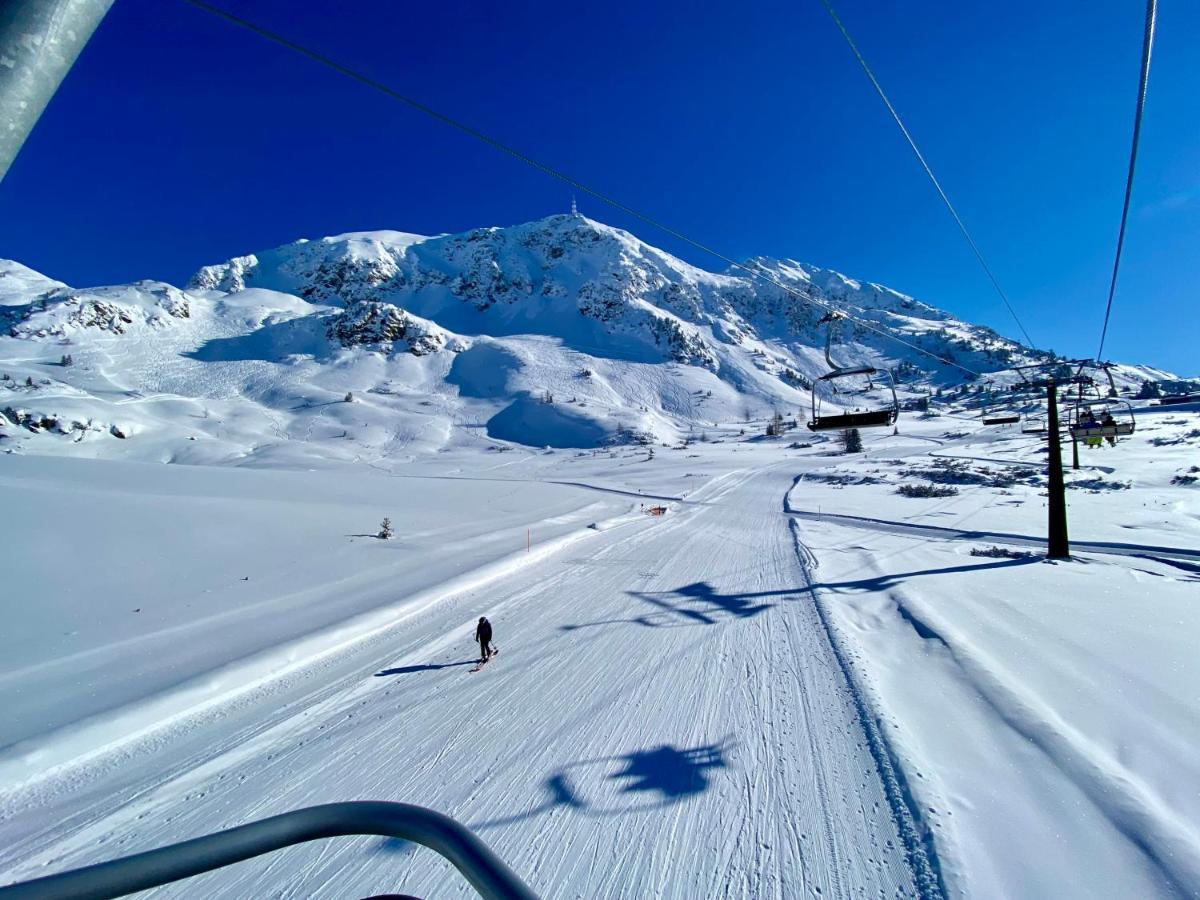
599,288
561,332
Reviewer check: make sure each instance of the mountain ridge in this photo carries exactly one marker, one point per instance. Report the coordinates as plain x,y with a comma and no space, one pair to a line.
438,338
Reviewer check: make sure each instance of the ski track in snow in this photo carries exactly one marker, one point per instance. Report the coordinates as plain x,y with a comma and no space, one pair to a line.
668,719
918,842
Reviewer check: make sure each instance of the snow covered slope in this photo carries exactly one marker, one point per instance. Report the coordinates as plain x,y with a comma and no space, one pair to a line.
562,332
19,284
601,289
797,682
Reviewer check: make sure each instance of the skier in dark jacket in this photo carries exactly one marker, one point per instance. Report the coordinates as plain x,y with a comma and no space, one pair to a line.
483,634
1108,421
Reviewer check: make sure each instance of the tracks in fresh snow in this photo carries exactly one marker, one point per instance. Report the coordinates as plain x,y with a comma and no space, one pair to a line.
917,842
668,721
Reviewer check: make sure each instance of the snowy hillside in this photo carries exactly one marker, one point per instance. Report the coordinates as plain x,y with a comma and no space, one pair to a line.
562,332
19,284
797,682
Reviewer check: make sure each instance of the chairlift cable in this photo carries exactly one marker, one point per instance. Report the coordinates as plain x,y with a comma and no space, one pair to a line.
554,173
1147,46
928,170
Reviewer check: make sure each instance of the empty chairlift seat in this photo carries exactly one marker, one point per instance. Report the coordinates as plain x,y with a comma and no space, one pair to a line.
880,417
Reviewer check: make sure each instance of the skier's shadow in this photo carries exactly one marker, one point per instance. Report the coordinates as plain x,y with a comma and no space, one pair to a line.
662,775
426,667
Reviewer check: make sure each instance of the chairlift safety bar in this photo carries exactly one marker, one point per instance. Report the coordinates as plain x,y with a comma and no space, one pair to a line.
119,877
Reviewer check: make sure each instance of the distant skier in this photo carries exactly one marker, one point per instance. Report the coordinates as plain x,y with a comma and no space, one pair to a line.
483,634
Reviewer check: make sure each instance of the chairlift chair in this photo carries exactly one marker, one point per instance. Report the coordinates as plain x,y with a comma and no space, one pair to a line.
1000,417
873,418
1086,425
1087,431
1173,399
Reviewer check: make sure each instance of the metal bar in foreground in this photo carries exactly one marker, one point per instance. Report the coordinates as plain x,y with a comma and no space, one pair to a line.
482,868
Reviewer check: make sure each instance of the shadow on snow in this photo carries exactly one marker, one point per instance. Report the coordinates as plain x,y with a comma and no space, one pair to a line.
664,775
702,604
699,604
426,667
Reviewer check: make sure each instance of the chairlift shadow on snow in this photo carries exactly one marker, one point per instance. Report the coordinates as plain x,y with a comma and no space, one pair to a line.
713,607
718,607
662,775
884,582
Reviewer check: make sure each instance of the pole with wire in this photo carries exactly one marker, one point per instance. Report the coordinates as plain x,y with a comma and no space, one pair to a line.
1058,545
1143,80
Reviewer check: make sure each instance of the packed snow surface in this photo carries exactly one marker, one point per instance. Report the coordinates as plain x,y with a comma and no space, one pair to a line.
814,674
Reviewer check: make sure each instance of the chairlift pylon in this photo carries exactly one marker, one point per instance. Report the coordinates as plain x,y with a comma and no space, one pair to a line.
874,418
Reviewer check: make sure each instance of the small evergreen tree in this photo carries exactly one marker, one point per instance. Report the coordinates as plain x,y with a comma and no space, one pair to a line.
67,360
1149,390
385,529
852,441
349,398
28,381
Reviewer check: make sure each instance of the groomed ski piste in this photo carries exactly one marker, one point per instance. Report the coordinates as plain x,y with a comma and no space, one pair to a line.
796,681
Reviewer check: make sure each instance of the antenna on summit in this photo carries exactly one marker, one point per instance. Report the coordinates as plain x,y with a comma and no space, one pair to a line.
574,208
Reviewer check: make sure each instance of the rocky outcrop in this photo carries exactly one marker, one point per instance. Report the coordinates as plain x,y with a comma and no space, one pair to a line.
387,328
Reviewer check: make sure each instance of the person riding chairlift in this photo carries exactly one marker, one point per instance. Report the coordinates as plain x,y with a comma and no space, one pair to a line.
1087,419
1108,421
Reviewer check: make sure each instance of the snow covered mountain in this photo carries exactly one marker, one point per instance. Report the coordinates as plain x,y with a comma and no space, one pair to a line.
190,647
562,332
599,288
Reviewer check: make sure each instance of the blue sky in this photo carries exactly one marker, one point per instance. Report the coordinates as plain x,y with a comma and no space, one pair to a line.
179,141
